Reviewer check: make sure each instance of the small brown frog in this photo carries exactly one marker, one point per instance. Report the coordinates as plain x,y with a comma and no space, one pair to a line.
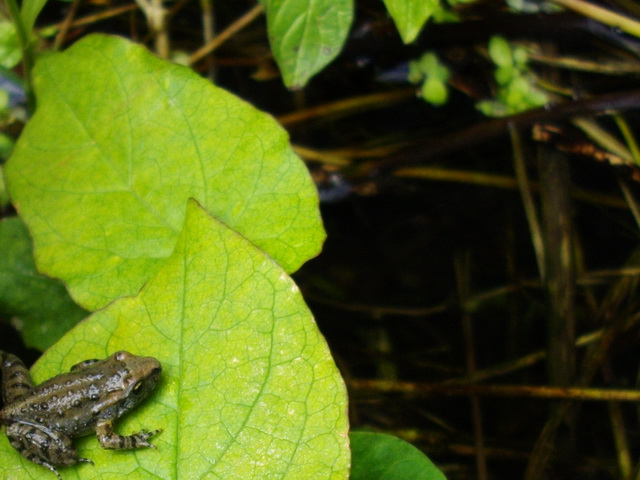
42,420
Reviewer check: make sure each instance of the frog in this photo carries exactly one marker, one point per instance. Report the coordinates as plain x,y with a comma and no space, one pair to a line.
42,421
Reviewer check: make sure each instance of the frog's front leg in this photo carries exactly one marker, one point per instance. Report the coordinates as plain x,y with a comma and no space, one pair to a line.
43,446
114,441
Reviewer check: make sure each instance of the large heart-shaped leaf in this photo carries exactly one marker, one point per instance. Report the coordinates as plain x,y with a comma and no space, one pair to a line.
119,142
249,389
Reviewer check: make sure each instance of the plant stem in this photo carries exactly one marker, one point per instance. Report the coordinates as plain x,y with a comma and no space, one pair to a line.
157,20
239,24
66,24
602,15
208,33
527,198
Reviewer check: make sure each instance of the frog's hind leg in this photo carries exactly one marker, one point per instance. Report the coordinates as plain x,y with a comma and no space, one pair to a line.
42,445
16,381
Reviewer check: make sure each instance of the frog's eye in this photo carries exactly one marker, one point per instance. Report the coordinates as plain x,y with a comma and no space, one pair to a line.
137,388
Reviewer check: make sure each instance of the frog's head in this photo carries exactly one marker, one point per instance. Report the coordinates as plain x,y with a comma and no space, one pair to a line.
138,377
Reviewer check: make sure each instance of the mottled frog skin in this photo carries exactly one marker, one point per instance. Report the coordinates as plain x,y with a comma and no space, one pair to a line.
42,420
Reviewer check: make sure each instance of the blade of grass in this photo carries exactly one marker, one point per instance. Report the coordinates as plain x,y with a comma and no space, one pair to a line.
527,198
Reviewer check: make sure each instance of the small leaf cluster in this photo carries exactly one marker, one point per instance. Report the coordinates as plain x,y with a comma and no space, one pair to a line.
433,75
516,85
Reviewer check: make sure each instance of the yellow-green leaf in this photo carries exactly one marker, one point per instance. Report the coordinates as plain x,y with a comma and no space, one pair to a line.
119,142
248,389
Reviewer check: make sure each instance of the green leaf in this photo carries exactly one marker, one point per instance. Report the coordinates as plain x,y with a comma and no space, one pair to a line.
435,92
39,305
416,74
410,16
504,75
5,142
429,63
377,456
248,389
29,12
500,51
520,57
10,53
120,141
305,35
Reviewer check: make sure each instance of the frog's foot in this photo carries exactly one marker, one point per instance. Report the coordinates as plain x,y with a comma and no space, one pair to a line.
111,440
87,460
52,468
144,435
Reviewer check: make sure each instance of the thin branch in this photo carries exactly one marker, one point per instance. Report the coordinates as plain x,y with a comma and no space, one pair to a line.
227,33
421,151
417,389
90,19
528,204
602,15
66,25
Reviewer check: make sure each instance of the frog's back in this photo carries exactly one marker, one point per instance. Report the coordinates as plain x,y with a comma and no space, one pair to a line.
64,403
61,403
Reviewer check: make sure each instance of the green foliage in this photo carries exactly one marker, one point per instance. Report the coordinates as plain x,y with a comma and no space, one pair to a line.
411,15
39,304
9,47
120,141
4,196
377,456
305,35
106,183
29,12
433,77
249,388
516,85
500,52
12,109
